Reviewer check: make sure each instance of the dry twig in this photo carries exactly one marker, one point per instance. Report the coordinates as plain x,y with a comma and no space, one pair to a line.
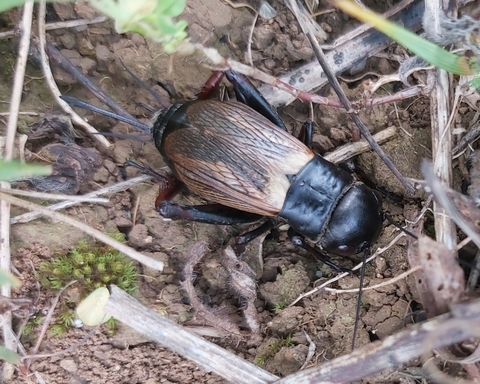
53,86
174,337
52,196
342,275
356,148
47,321
130,252
445,230
60,25
15,100
122,186
294,5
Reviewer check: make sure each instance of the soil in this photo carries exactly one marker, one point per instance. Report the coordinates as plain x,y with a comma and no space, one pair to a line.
281,346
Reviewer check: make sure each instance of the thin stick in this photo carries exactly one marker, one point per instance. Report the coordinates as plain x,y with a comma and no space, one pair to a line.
442,200
445,230
376,286
15,100
79,343
401,95
26,113
347,104
16,96
350,150
60,25
130,252
342,275
26,217
250,37
52,196
47,320
53,86
207,355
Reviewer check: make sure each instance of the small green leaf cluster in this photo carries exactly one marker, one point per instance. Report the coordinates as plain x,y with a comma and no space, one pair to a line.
92,266
64,321
33,323
151,18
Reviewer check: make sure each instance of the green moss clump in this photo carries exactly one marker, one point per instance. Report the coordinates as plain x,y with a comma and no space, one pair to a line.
92,266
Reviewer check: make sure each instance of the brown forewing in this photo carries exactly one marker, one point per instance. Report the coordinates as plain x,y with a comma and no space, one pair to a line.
234,156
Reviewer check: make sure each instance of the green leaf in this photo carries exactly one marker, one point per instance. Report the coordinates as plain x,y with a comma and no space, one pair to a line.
8,278
14,170
475,83
151,18
9,356
171,7
92,309
425,49
7,4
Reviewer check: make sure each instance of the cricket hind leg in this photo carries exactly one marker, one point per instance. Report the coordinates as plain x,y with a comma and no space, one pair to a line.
206,213
247,94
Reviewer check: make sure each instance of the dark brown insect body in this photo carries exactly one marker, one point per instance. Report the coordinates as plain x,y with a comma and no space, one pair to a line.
230,154
240,156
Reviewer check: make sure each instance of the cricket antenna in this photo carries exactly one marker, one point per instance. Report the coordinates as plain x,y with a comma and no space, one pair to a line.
366,252
81,104
393,222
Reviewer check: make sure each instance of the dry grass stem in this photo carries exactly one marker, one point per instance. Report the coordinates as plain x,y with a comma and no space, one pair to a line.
76,119
15,100
48,319
342,275
130,252
52,196
440,107
376,286
122,186
60,25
